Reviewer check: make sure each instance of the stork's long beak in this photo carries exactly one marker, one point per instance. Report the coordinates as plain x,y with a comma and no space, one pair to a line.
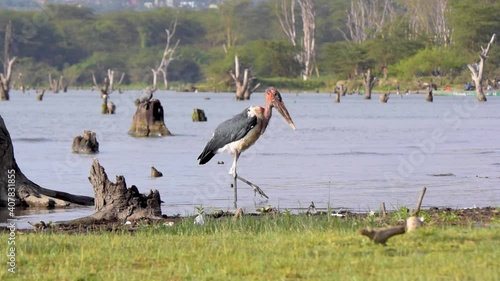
280,106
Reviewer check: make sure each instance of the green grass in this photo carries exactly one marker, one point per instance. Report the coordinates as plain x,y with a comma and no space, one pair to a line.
282,248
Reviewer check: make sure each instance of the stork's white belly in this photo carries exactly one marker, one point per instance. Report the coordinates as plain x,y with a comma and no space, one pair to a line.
251,137
244,143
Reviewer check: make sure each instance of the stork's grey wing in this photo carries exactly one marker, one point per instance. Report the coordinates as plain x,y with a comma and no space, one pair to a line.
228,131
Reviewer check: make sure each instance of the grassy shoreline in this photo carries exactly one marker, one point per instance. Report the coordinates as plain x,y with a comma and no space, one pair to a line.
276,246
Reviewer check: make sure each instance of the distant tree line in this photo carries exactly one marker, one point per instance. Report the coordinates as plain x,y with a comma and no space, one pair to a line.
399,40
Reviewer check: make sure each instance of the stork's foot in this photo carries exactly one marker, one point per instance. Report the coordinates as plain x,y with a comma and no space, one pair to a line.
255,187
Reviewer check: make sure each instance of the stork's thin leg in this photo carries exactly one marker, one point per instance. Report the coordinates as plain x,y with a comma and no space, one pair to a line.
235,176
255,187
235,192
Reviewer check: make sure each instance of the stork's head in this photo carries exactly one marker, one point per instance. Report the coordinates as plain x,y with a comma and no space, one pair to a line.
273,97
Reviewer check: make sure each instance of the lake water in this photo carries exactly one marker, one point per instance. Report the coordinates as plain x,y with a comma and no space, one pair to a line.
353,155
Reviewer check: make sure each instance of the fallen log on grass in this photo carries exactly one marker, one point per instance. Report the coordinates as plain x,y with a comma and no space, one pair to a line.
381,235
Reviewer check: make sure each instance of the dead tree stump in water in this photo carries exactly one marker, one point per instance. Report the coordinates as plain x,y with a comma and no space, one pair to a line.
246,84
155,173
384,97
57,85
477,70
40,95
148,120
115,202
27,193
429,96
199,115
86,144
337,97
107,107
369,81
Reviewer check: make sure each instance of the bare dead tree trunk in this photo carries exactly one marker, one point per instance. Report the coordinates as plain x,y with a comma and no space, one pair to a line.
309,42
106,89
7,64
108,85
477,70
366,18
245,85
111,80
56,85
286,16
441,28
428,17
428,96
368,81
16,188
168,53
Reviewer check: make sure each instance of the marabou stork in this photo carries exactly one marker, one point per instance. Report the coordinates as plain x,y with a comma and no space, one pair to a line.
237,134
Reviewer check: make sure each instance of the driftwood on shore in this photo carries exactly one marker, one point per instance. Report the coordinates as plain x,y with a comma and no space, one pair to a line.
148,120
381,235
15,187
114,202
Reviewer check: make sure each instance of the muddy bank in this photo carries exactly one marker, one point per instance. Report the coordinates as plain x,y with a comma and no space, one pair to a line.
476,217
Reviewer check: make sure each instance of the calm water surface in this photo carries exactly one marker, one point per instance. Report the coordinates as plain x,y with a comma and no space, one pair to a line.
353,155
